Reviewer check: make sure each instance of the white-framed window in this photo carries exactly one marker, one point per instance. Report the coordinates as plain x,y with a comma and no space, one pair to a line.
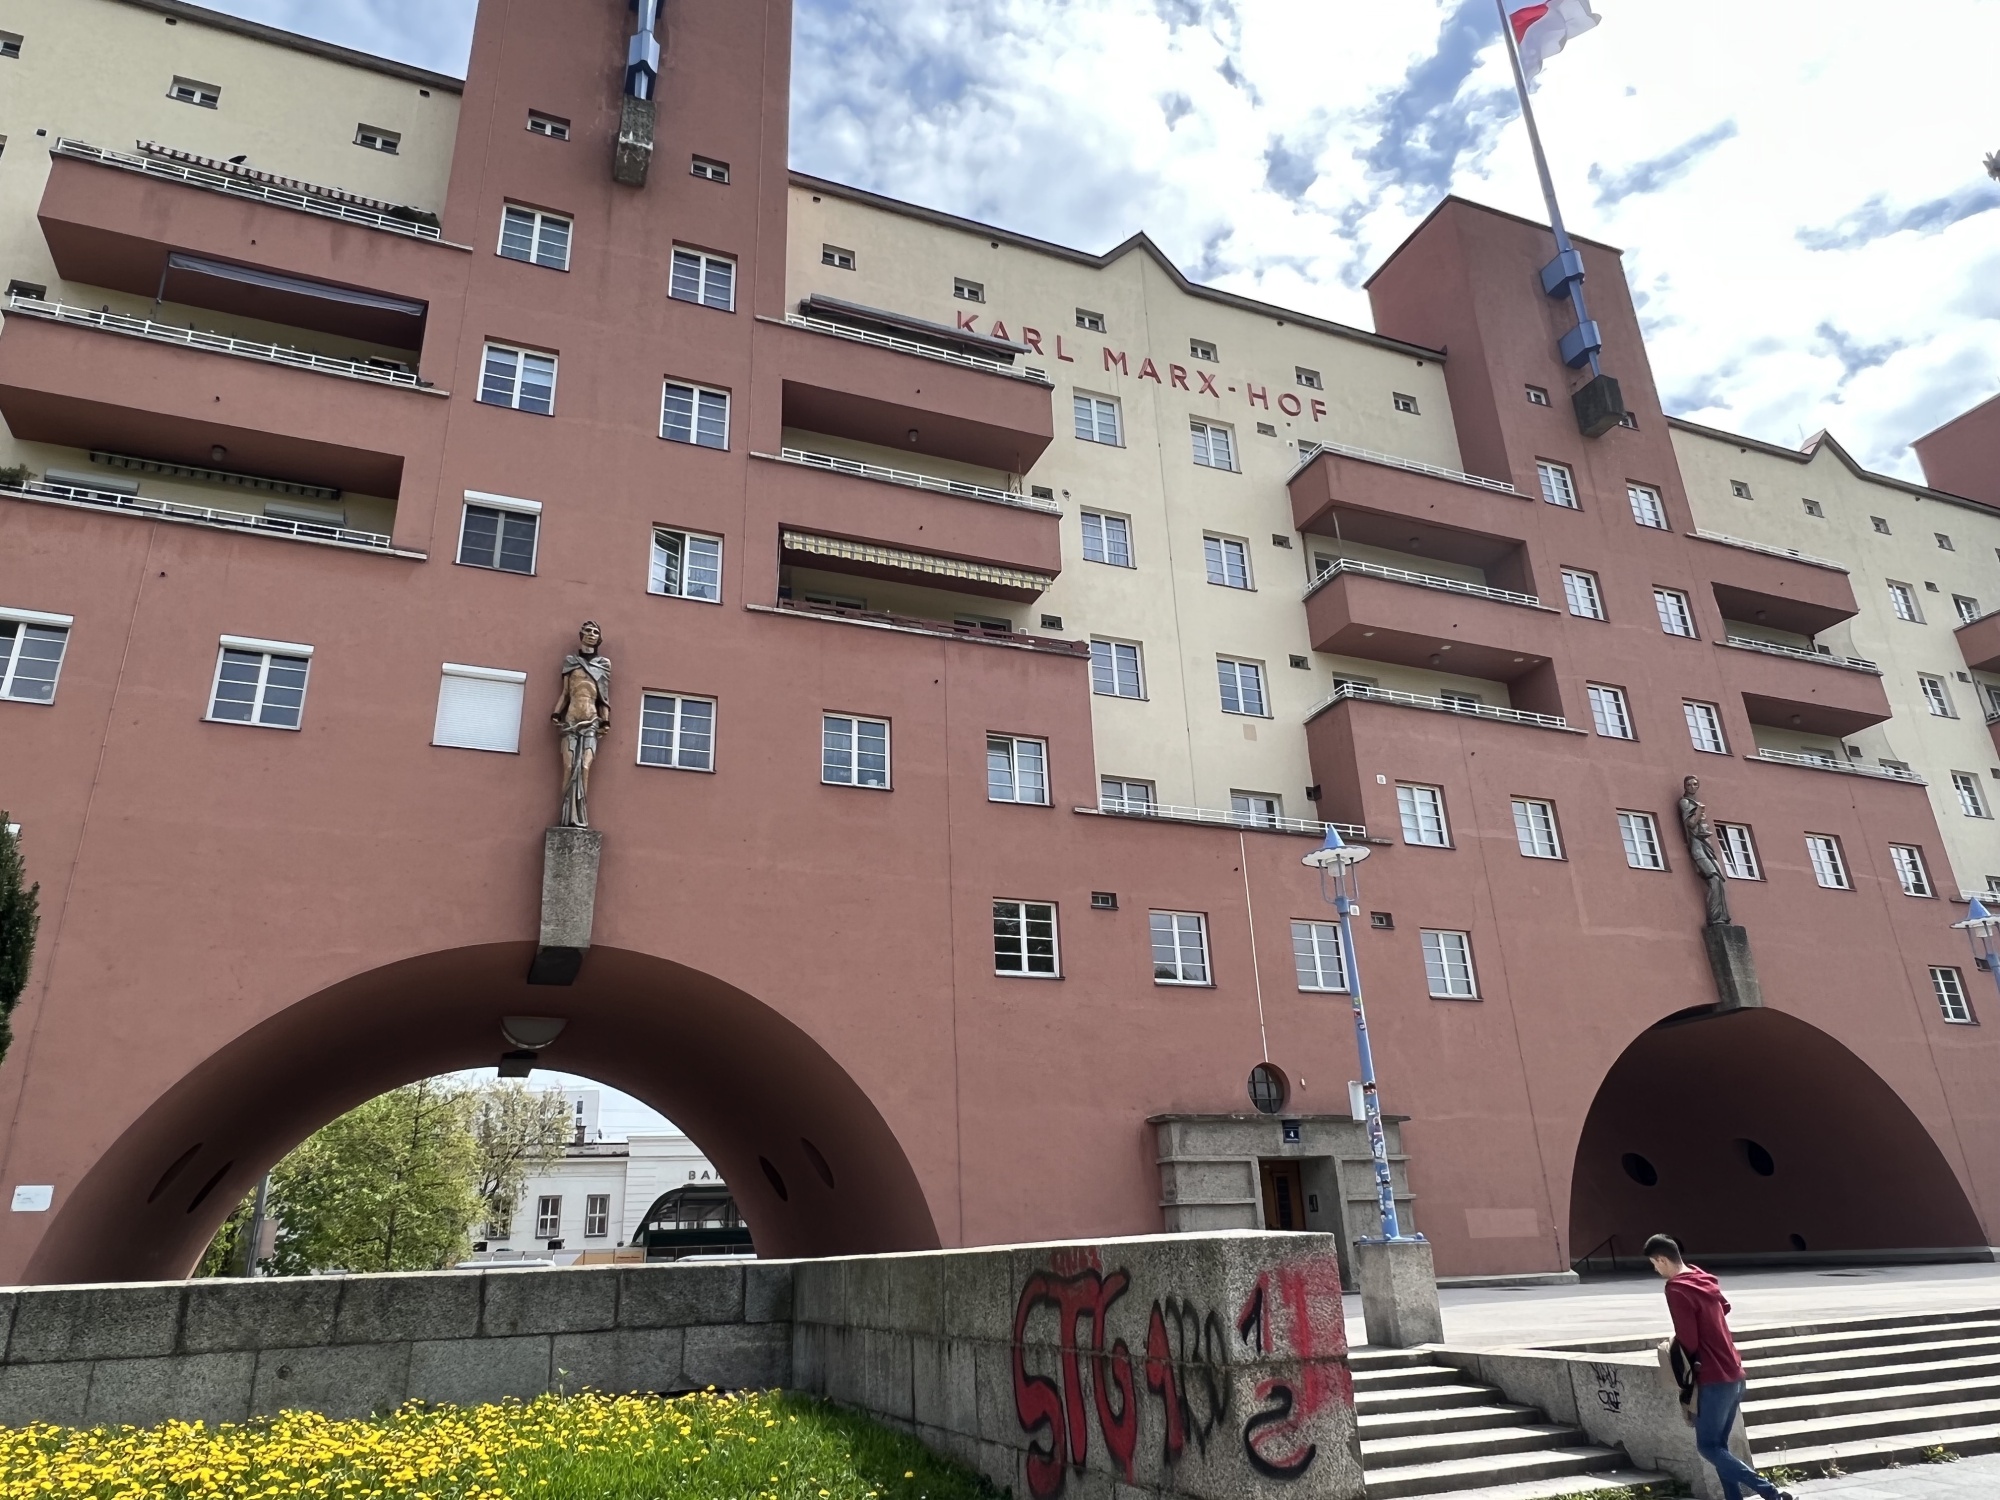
1228,561
1911,873
677,732
854,751
1584,597
1558,483
1256,809
1107,539
1310,379
1937,697
1091,322
259,682
1122,794
1948,985
1096,419
1422,811
1647,507
1024,938
541,239
694,414
1971,801
1903,602
1459,698
1640,834
1829,862
375,138
1115,670
548,1216
968,291
32,647
1214,444
202,95
1739,489
519,378
1535,828
479,708
686,565
1242,684
835,256
1738,849
555,127
1448,965
1676,614
1017,770
1704,722
700,277
708,169
1967,607
499,532
1609,711
1202,349
596,1216
1537,395
1321,961
1180,947
1403,403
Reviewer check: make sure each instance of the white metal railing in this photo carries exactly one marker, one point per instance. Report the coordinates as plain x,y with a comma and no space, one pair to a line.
214,343
1172,813
1993,715
1844,767
1346,690
1309,451
958,487
1786,552
204,515
1801,653
923,351
1424,580
245,187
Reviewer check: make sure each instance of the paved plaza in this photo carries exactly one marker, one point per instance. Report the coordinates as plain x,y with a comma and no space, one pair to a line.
1968,1479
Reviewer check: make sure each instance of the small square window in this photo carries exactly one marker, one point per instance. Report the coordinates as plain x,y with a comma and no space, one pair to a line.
1629,420
1092,321
530,235
708,169
1214,445
1201,349
700,277
1967,607
677,732
1052,622
1880,523
1404,403
1301,663
30,289
854,752
259,682
1256,809
1024,938
1267,429
1310,379
501,536
1121,794
1017,770
374,138
694,414
1813,507
968,291
1228,561
202,95
1558,484
1448,965
1104,901
1537,396
1739,489
839,259
1943,541
10,43
1180,947
686,565
519,378
479,708
555,127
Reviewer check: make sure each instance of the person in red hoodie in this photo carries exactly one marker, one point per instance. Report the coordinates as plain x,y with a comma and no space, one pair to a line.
1701,1329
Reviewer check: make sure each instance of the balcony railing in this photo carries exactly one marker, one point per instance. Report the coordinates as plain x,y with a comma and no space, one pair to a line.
1342,691
1844,767
1171,813
324,202
1786,552
883,619
1309,451
1422,580
199,515
917,481
214,343
921,350
1800,653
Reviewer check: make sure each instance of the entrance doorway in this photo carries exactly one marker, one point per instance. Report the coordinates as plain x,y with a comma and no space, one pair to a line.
1284,1195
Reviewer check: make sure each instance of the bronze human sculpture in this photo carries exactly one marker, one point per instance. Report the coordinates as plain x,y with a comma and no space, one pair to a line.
582,714
1701,851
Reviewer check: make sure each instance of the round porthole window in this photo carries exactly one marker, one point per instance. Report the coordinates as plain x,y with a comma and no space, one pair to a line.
1639,1169
1268,1089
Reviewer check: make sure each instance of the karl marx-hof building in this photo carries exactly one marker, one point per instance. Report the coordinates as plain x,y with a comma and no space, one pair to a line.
986,631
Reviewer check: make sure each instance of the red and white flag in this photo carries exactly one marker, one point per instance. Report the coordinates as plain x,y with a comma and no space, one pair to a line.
1541,29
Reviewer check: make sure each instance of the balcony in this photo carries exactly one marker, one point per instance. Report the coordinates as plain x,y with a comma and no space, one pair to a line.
1770,586
1377,500
1839,767
880,619
1355,692
1167,812
1801,653
1378,613
1797,690
203,515
1979,643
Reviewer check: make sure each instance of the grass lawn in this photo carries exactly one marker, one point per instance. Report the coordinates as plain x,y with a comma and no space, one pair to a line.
768,1446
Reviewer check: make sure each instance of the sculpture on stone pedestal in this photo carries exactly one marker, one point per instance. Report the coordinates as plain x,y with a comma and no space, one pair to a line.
582,714
1702,853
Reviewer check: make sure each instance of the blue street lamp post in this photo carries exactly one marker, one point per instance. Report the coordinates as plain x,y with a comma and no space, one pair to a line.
1979,926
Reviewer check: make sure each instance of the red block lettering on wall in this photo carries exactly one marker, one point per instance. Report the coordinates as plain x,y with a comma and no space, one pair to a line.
1117,358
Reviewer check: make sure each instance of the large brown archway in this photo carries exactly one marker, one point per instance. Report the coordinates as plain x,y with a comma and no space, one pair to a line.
746,1084
1760,1134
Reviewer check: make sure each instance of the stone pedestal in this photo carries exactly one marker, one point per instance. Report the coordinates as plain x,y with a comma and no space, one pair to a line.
633,155
1399,1295
1736,986
569,903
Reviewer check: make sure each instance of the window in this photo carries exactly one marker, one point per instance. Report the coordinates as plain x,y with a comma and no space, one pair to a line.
260,682
1214,445
707,279
1201,349
1404,403
1903,600
1228,562
1641,837
1949,987
1739,489
1024,938
1422,811
1813,507
479,708
677,732
854,752
205,95
1629,420
596,1216
1264,429
1967,607
541,239
1118,794
1537,396
32,645
694,414
1114,670
1448,965
1581,591
498,533
1459,699
1242,684
1093,321
1256,809
1943,541
1558,484
1097,420
1676,618
1608,711
1704,722
553,126
1911,874
1647,507
686,565
968,291
374,138
1180,947
520,379
1937,697
10,44
1535,829
1738,850
709,169
1970,801
1017,770
1316,950
1829,865
548,1217
1880,523
1107,539
1308,378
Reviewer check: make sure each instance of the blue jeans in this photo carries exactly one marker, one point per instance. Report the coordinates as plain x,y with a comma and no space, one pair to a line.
1711,1439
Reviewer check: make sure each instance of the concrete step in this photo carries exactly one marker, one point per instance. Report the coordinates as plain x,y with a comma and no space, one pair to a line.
1452,1419
1774,1408
1606,1485
1370,1358
1884,1339
1482,1442
1424,1398
1873,1453
1497,1472
1405,1377
1777,1437
1864,1377
1868,1357
1881,1322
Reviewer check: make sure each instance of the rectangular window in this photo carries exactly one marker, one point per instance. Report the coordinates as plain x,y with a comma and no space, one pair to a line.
708,169
1422,811
1308,378
1813,507
1943,541
1967,607
1242,684
1608,711
694,414
555,127
1880,523
686,565
1949,987
1970,801
1256,809
1739,851
839,259
530,235
479,708
1704,722
1180,947
1201,349
1911,873
1537,396
32,646
1093,321
204,95
1017,770
597,1216
1558,484
968,291
10,43
1535,829
1402,403
1107,539
1586,600
1641,837
1903,600
1322,964
374,138
1937,697
260,682
519,378
1448,965
1739,489
548,1217
854,752
1114,670
677,732
1829,864
1024,938
1097,420
499,536
700,277
1214,446
1676,615
1228,562
1120,794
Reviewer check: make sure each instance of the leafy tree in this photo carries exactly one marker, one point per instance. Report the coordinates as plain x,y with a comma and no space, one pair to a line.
18,920
224,1256
519,1130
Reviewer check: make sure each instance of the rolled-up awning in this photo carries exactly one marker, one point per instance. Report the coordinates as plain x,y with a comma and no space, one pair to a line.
300,286
874,554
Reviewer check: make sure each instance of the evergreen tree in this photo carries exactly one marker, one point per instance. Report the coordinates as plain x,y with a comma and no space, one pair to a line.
18,920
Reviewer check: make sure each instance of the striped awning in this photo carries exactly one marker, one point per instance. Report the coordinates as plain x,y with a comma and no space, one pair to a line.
877,555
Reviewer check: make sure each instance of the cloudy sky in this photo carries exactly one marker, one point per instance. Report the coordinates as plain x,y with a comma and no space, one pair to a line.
1797,183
